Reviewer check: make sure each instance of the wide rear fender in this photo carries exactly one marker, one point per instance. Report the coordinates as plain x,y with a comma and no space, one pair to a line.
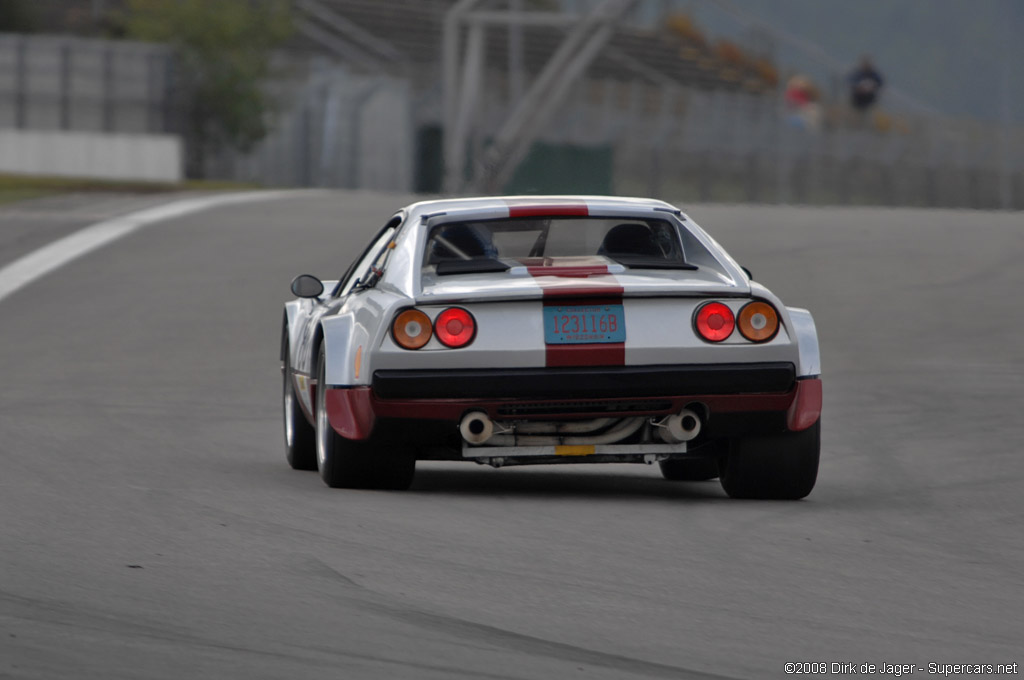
351,336
807,342
293,327
344,344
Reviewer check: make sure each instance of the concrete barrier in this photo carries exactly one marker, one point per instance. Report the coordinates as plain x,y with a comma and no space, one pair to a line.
141,157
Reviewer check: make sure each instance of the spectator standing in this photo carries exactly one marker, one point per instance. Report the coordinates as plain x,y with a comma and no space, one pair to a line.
801,99
865,86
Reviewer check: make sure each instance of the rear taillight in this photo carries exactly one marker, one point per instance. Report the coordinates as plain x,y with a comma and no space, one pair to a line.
455,327
411,329
758,321
714,321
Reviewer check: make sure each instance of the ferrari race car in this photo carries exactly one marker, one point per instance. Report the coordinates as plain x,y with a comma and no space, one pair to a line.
526,330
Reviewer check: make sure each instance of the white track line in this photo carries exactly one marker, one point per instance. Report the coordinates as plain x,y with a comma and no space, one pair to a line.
41,262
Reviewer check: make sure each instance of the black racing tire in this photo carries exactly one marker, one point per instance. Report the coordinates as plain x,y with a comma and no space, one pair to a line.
780,467
348,464
299,435
689,469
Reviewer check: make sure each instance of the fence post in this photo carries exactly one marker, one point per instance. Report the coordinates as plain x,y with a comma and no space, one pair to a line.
753,185
799,172
782,166
65,86
171,116
305,142
108,89
332,95
660,141
20,81
704,177
151,107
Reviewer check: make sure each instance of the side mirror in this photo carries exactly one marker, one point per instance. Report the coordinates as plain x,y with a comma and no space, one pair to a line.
307,286
747,272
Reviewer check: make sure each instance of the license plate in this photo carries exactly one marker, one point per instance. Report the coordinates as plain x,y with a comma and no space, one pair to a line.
570,324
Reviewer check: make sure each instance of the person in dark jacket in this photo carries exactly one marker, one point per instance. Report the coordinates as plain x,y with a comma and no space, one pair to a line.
865,85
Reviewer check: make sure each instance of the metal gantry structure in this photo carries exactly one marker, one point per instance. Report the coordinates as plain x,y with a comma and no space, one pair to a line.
464,70
344,39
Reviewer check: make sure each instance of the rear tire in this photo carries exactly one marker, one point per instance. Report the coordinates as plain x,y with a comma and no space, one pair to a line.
349,464
782,466
299,435
689,469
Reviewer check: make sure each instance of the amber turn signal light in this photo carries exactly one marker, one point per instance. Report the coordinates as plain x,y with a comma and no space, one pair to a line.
411,329
758,321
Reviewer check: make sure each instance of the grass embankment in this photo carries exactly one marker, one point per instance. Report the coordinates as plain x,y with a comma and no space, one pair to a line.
23,187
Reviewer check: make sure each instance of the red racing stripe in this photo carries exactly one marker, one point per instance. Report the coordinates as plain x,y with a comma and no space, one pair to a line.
584,293
568,267
590,354
806,407
559,297
350,411
569,272
530,207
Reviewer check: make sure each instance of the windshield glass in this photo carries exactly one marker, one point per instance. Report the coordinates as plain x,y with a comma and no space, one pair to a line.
496,245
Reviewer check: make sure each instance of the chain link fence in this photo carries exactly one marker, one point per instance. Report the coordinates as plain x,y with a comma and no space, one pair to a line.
78,84
719,146
723,146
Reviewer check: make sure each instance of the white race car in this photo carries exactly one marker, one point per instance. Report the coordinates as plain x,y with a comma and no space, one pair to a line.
575,329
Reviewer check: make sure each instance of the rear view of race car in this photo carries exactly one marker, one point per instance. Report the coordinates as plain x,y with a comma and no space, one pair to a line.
511,331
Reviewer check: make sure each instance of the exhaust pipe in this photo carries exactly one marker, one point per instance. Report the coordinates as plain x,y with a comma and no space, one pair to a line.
476,427
681,427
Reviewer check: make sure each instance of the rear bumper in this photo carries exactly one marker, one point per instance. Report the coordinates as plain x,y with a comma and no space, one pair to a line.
586,383
738,398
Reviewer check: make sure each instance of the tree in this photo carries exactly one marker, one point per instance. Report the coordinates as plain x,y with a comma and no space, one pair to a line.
224,49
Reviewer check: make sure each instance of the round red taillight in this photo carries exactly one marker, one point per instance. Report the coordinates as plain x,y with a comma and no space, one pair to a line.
714,322
455,327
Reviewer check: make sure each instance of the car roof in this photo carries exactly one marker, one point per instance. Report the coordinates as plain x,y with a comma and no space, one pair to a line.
404,271
512,206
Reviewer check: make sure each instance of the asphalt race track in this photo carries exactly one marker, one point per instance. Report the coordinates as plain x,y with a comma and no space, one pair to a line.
150,527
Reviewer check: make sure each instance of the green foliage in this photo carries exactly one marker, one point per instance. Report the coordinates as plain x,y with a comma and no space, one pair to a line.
224,49
15,16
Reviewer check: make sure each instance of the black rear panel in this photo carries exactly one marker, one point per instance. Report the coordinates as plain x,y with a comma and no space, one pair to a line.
585,383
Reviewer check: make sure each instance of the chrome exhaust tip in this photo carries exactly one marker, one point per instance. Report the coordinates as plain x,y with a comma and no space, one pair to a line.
681,427
476,427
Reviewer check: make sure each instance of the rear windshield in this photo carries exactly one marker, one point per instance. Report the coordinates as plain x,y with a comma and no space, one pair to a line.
494,245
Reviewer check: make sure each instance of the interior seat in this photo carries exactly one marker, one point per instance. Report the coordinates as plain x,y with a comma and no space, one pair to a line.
630,239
